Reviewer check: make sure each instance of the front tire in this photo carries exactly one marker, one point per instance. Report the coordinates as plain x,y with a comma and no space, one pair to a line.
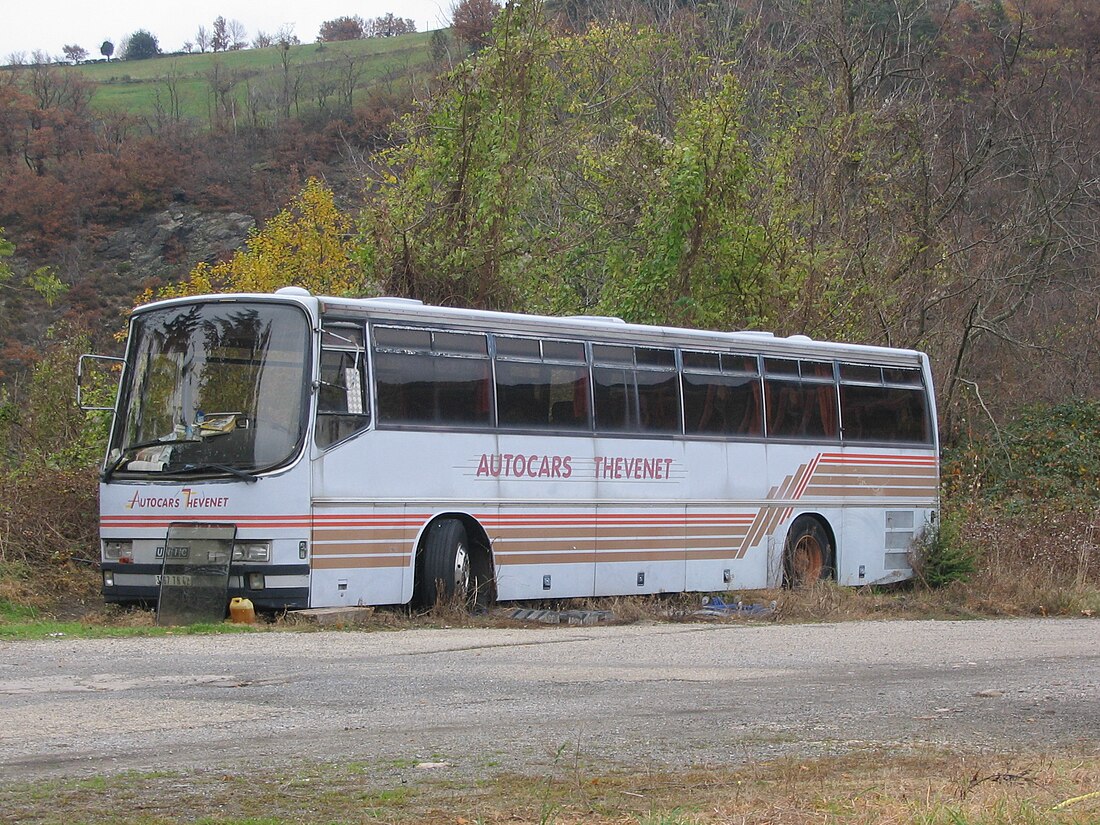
808,556
445,565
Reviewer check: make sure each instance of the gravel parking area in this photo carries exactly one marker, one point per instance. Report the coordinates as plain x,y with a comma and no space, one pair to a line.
476,700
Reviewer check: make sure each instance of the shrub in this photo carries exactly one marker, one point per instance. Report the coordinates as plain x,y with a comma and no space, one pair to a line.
940,556
48,453
1044,452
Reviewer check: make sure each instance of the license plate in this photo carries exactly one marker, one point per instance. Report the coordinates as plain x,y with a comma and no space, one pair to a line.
175,579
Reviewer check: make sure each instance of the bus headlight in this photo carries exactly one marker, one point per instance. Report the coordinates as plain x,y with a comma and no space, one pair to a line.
252,551
114,549
108,578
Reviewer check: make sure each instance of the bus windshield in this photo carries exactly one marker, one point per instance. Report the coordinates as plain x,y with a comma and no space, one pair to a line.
213,389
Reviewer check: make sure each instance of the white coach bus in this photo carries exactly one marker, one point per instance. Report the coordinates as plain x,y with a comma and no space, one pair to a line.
380,451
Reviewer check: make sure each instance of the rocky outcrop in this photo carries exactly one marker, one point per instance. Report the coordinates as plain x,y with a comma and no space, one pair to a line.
171,242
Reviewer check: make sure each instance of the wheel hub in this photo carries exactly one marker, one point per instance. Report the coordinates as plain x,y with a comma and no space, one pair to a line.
462,571
808,560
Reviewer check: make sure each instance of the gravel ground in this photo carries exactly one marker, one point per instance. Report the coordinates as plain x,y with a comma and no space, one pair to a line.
472,701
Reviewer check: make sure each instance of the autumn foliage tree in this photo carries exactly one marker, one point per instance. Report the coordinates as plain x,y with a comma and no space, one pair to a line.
342,28
547,176
472,21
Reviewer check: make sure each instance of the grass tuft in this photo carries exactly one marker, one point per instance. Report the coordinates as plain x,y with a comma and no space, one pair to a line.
861,787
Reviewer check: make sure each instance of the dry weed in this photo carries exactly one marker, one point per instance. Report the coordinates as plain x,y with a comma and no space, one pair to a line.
861,786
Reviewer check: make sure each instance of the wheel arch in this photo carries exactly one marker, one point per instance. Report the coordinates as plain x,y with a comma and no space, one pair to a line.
823,521
475,532
476,537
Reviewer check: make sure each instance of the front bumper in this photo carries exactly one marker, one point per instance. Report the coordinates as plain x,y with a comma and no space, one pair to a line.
286,586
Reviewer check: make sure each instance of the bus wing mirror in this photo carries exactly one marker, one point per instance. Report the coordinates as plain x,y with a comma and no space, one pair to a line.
94,379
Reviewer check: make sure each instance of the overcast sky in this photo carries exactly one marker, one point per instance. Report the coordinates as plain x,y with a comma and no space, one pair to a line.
47,25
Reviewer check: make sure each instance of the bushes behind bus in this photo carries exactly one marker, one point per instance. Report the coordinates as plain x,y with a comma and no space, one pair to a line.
49,455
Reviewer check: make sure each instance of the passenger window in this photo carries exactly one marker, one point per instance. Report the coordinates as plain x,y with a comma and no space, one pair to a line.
801,410
342,409
541,384
800,397
635,389
658,391
616,399
722,395
722,405
427,377
883,405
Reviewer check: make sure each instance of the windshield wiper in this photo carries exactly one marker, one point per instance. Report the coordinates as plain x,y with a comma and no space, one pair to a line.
223,468
141,445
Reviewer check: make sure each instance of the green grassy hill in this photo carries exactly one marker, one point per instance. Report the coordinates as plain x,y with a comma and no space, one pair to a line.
311,77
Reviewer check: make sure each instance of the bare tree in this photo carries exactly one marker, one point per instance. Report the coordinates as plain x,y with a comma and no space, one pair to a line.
219,40
292,80
172,89
202,39
74,53
351,71
237,34
285,36
257,100
324,87
223,112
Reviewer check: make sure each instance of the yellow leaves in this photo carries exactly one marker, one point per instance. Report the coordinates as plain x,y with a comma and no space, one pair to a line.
308,244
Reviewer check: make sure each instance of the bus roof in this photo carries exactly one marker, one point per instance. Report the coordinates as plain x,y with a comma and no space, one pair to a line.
603,328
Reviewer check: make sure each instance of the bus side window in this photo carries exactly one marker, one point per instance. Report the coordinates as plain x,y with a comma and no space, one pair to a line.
541,384
428,377
461,391
746,400
658,401
561,415
658,390
883,405
523,394
342,407
722,396
801,410
616,399
826,404
801,399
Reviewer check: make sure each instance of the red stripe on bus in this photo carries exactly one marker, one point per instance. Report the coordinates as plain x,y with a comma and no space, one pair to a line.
806,481
873,459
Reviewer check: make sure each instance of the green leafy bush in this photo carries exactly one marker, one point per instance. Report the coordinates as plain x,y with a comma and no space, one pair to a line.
1045,452
49,450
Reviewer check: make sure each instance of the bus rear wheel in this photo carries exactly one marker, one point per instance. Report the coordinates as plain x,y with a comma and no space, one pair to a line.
445,565
808,555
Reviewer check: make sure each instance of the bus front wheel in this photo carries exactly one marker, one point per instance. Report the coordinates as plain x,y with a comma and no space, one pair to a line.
808,555
445,564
